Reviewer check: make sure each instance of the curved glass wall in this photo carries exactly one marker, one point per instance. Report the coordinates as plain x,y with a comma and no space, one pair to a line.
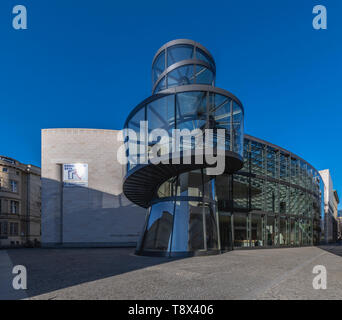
274,201
182,64
184,111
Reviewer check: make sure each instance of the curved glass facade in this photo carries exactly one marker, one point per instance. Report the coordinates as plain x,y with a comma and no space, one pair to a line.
274,201
182,63
265,197
187,110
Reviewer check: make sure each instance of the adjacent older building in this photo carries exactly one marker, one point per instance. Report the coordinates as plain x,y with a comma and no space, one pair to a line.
339,224
20,203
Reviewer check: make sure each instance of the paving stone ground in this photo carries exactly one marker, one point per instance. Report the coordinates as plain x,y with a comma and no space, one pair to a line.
116,273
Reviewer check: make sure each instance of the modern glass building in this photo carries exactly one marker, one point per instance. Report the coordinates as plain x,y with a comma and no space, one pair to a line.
266,197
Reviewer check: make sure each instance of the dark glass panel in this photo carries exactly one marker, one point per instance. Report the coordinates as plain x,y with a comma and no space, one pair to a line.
196,230
190,184
211,227
240,191
225,230
257,227
240,230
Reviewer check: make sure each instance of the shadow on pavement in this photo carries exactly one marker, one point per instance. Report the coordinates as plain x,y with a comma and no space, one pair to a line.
53,269
335,248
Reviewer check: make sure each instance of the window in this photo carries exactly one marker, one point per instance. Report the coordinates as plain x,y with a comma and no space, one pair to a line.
14,186
3,228
14,207
4,170
13,229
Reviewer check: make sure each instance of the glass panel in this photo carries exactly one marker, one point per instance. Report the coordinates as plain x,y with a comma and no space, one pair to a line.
158,66
294,201
256,194
160,115
181,76
225,230
257,230
223,188
204,75
201,55
293,232
178,53
283,231
240,191
257,158
240,230
196,231
191,110
220,115
161,85
271,197
300,232
211,227
237,130
270,231
159,228
283,198
271,162
190,184
168,188
181,225
134,148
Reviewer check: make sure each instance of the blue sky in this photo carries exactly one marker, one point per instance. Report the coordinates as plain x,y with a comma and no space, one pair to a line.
87,64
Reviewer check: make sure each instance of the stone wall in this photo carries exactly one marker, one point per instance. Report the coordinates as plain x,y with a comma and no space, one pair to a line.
97,215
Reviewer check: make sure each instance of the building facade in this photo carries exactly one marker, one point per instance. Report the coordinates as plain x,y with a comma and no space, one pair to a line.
82,200
266,196
330,208
20,203
339,225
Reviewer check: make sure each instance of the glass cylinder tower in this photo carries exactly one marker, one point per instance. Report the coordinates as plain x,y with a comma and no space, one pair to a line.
180,189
